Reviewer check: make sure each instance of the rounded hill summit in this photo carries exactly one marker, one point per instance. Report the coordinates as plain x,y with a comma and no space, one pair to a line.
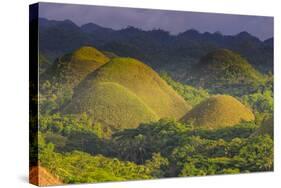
217,112
127,87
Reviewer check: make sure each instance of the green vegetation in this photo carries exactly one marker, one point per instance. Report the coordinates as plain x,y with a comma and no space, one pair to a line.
44,63
197,151
72,68
87,53
81,167
141,80
108,118
261,102
190,94
165,148
58,81
112,105
218,111
157,48
223,71
266,128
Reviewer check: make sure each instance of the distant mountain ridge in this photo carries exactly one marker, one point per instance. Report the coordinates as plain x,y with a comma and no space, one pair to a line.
157,48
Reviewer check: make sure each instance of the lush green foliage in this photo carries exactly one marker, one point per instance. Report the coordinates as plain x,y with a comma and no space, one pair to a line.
197,156
68,133
80,167
44,63
261,102
197,151
266,127
190,94
165,148
223,71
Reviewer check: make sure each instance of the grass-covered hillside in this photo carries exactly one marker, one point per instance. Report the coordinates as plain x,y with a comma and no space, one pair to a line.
224,71
219,111
141,80
191,94
59,79
71,68
112,105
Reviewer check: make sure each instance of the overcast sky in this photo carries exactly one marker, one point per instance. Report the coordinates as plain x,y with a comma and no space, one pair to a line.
147,19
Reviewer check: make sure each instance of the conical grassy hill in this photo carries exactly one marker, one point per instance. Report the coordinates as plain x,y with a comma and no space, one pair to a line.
70,69
112,105
224,71
217,112
41,177
141,80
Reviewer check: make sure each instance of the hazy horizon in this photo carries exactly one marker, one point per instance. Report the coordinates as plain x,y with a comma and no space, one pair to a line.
174,22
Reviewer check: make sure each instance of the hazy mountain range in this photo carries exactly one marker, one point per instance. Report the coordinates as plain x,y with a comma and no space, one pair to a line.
157,48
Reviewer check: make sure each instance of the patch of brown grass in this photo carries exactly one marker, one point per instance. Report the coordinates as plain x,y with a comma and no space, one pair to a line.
217,112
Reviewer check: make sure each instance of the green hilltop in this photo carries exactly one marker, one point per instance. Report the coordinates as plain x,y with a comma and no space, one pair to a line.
124,93
71,68
143,82
218,111
224,71
112,105
58,81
